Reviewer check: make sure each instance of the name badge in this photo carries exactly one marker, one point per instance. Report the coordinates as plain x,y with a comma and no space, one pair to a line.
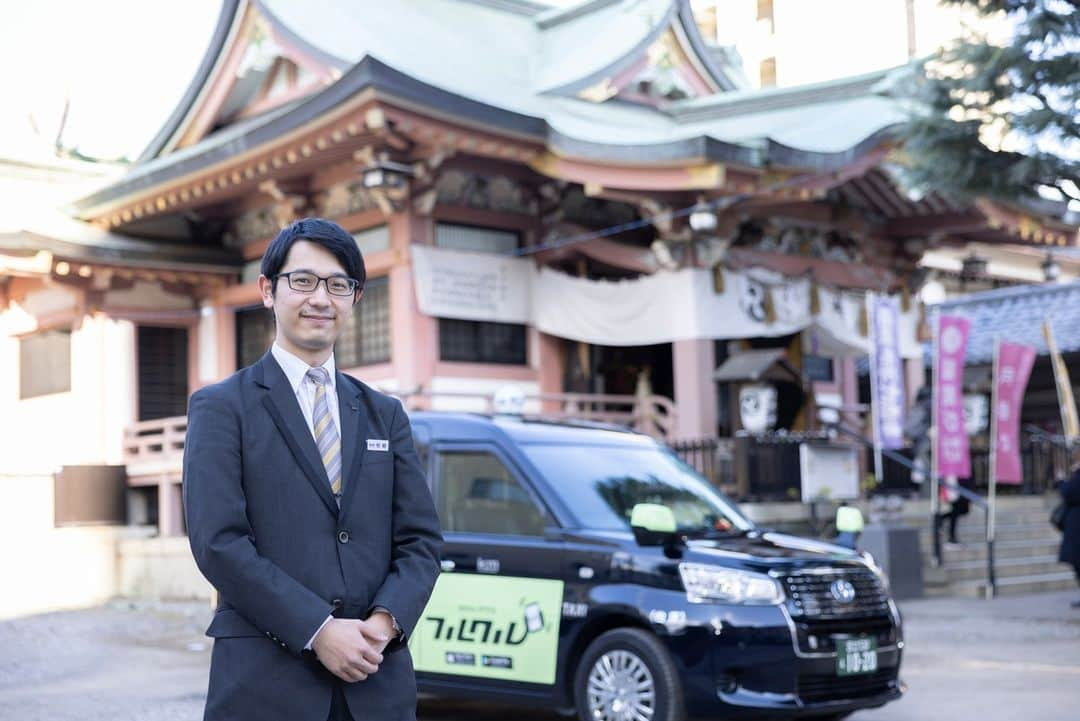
374,444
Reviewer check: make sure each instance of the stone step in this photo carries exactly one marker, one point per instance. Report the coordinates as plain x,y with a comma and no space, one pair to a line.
1034,510
1024,547
1003,568
975,533
1004,503
1015,585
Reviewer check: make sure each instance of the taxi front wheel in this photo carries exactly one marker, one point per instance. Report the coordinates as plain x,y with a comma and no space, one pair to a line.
627,675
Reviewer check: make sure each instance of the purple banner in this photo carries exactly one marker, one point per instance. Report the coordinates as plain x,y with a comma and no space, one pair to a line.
952,442
1013,368
888,370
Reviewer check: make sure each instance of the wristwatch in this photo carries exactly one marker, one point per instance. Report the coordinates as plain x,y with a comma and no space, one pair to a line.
393,620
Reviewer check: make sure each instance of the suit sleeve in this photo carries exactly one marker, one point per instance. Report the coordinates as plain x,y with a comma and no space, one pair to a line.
1070,492
414,565
221,537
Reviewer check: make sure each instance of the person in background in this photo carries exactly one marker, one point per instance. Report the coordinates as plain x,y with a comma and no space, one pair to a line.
959,505
1070,540
849,524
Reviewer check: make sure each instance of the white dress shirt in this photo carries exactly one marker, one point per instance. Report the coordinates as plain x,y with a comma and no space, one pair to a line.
304,388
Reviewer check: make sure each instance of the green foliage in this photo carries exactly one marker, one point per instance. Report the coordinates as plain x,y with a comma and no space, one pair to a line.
999,120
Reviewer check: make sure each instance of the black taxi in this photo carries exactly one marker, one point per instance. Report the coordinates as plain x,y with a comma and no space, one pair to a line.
587,568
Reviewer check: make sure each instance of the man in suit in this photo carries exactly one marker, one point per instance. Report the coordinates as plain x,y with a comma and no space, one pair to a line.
308,510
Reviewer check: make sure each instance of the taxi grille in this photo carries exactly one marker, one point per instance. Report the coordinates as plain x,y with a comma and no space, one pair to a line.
816,688
820,618
810,594
820,636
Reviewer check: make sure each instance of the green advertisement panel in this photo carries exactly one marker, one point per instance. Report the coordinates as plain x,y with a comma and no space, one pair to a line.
490,626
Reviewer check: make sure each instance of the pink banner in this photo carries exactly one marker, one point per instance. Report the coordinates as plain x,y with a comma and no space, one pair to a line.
952,442
1013,368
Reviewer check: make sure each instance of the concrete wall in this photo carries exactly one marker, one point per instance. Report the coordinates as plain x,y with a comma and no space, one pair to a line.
160,568
49,569
83,425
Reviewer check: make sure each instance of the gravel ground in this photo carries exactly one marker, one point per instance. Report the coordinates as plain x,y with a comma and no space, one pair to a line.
119,661
993,661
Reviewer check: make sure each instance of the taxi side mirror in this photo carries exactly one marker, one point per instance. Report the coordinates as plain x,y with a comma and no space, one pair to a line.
653,525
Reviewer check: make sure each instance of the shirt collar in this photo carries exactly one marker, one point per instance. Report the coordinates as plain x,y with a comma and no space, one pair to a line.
296,369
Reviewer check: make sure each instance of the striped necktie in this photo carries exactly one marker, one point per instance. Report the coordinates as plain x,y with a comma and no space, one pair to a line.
326,433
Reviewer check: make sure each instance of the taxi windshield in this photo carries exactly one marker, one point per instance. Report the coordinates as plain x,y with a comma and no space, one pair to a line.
602,484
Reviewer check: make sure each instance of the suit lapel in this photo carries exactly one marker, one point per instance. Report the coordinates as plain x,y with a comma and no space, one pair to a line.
353,426
280,402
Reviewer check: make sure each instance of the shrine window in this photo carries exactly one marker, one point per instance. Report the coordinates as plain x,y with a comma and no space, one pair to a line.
45,363
483,240
365,339
373,240
473,341
254,334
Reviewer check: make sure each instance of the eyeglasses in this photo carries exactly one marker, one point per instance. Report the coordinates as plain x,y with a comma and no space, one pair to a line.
304,282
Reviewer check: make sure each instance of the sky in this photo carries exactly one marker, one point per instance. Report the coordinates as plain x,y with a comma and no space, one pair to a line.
122,64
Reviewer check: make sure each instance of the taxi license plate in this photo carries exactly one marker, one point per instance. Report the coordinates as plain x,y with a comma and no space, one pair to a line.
856,656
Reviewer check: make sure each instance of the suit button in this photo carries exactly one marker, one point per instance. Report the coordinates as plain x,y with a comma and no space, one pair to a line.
343,536
337,603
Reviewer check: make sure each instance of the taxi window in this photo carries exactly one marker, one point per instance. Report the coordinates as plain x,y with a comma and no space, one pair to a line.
478,494
602,484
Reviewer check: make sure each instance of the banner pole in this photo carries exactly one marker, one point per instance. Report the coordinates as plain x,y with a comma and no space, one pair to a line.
991,508
934,391
1066,403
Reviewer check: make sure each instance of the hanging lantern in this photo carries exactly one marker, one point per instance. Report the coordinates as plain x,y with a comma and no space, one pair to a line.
973,267
1051,269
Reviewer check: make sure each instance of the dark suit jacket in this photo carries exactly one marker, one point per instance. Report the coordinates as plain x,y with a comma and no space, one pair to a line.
1070,540
266,532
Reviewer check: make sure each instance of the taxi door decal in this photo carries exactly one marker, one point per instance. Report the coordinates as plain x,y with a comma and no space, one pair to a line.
492,627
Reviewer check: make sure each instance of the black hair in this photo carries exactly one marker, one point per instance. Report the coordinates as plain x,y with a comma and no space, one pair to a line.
322,232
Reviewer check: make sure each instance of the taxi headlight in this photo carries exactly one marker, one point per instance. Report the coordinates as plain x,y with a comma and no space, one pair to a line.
716,584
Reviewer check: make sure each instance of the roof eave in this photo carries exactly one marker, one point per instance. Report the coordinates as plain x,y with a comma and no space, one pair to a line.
701,147
369,73
121,251
786,156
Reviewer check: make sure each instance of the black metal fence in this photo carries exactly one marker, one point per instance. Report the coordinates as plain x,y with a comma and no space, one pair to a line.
750,467
765,467
712,457
1044,463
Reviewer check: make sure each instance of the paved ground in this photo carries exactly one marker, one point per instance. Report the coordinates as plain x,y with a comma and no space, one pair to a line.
996,660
